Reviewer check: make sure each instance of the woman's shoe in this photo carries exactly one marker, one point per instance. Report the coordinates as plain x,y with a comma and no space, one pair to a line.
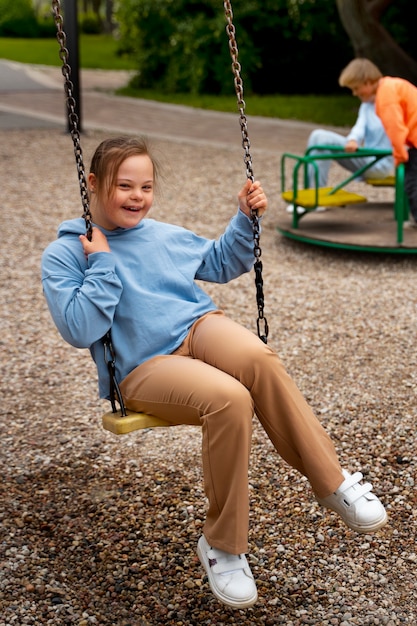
300,209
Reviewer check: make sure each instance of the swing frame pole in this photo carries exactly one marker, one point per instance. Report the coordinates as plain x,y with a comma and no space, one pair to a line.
71,26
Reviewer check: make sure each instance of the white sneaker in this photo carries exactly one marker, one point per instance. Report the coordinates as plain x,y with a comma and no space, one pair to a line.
300,209
229,575
360,509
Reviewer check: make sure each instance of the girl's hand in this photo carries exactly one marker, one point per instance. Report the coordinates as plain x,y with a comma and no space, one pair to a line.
252,197
98,242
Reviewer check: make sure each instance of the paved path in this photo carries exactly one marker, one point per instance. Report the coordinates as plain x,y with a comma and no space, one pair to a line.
32,96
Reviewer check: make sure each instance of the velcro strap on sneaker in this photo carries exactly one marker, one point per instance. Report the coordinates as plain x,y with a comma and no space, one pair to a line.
221,564
358,491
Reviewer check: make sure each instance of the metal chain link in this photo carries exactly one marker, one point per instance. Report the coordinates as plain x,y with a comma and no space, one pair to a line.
238,82
72,115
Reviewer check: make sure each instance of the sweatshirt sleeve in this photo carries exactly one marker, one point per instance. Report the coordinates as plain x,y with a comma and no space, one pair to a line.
82,294
231,255
388,107
357,132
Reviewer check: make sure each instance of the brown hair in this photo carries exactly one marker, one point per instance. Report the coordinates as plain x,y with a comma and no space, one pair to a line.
108,157
358,72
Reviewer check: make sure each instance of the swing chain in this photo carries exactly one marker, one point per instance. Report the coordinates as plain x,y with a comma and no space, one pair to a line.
110,360
238,82
72,115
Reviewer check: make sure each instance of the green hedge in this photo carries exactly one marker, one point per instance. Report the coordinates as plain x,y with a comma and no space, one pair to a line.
284,47
18,19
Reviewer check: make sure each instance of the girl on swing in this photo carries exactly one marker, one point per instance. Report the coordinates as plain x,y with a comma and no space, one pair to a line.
181,359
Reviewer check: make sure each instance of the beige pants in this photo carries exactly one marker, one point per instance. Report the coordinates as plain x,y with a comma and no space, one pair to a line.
219,377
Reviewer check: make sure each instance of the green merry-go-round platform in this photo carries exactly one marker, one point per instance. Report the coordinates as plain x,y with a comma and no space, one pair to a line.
338,218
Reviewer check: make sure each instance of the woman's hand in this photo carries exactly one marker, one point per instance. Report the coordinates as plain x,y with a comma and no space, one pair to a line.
351,146
252,197
98,242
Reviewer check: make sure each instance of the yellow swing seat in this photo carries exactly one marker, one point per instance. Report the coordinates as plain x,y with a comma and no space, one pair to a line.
119,424
388,181
307,197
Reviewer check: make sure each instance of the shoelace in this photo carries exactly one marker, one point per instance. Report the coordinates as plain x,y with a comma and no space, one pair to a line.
352,490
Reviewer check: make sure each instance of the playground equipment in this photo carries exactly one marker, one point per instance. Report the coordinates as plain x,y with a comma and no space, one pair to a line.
349,221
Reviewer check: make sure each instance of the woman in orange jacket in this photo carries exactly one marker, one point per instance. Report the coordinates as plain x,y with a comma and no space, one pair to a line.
396,104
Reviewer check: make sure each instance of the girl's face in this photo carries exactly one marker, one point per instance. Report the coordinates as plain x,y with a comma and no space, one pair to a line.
365,91
131,197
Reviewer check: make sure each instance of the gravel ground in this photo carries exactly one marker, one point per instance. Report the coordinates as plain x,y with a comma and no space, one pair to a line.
96,529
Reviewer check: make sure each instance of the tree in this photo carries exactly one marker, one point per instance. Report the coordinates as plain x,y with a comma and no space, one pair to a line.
102,10
180,45
17,19
108,23
285,46
362,20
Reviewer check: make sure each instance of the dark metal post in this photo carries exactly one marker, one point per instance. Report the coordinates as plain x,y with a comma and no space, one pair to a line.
71,29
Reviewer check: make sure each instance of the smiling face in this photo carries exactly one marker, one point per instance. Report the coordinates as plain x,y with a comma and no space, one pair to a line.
130,197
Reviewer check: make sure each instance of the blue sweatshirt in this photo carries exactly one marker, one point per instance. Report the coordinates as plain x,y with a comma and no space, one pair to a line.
369,132
144,289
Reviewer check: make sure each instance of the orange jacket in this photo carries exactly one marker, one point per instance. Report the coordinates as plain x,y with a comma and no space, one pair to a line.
396,105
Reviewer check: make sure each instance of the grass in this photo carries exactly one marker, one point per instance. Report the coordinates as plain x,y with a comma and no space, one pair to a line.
100,52
95,51
335,110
